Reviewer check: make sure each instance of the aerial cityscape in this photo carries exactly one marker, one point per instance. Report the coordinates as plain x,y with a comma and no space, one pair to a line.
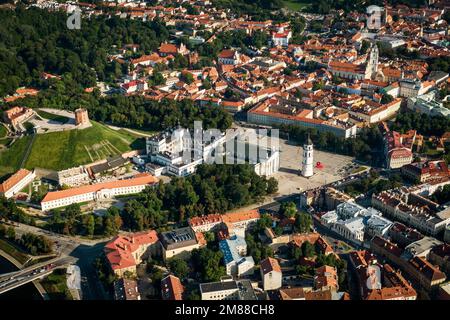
229,150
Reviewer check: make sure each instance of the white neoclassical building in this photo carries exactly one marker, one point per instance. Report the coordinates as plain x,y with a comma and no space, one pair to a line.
99,191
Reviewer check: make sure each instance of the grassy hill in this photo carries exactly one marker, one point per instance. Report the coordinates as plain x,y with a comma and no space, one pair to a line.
62,150
3,131
11,158
296,5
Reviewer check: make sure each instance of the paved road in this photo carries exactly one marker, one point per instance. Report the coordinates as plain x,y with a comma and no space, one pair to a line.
81,252
24,276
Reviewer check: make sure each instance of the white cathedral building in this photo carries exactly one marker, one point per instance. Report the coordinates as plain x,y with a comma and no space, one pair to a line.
308,159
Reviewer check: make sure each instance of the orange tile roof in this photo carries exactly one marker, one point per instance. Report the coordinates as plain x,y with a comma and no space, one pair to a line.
201,220
13,180
227,54
270,264
119,251
168,48
240,216
171,288
140,179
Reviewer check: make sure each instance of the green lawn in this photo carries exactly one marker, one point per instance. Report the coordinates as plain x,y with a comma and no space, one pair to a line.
359,169
296,5
51,116
55,285
11,158
62,150
3,131
10,249
5,141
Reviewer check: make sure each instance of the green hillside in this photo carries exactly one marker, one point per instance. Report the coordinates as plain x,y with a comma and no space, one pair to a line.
62,150
11,158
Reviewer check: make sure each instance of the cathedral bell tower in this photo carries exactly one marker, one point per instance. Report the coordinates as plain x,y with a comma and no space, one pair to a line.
308,162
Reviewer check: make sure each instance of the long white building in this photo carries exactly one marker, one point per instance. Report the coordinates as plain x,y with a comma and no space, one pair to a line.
16,182
105,190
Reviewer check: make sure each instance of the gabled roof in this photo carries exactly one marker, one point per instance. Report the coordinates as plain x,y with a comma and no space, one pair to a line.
171,288
119,251
13,180
270,264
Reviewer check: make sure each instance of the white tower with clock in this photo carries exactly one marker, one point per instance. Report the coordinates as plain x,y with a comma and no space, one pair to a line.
308,161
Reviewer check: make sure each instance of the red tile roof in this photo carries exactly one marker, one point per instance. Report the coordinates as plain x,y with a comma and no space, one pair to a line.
240,216
171,288
13,180
270,264
119,251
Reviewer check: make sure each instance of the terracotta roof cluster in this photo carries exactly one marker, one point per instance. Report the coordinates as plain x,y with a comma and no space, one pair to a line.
326,277
228,218
313,238
427,269
388,285
120,250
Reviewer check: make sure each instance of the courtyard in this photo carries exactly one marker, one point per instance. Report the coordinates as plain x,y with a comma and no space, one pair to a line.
289,179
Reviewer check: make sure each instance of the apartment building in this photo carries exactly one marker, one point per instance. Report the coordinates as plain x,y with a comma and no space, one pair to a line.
377,281
427,171
398,148
234,250
276,112
271,274
413,210
180,242
418,267
228,289
326,278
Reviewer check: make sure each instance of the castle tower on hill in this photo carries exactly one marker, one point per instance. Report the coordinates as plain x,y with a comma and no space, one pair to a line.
308,159
81,117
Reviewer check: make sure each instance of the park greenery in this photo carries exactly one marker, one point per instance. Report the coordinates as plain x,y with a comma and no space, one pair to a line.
70,221
373,183
35,244
442,196
208,263
311,252
10,211
213,188
365,147
424,124
55,285
34,40
134,111
65,149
